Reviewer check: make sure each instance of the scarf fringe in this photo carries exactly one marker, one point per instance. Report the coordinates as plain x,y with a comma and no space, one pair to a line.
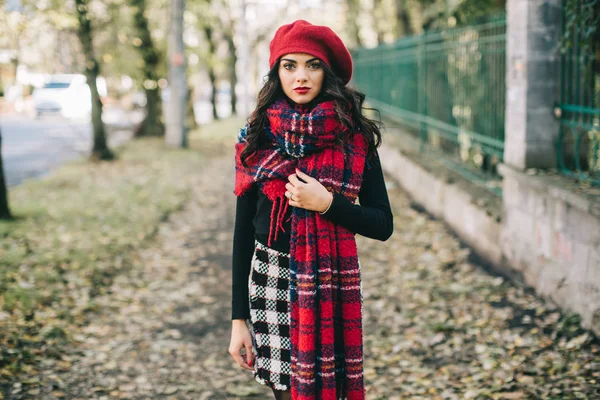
278,212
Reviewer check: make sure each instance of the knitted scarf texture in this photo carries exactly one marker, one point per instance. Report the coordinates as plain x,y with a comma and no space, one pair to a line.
325,286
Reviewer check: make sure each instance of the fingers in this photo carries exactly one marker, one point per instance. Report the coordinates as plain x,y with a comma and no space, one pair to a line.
295,181
241,340
239,359
237,356
303,191
300,178
303,176
249,354
291,192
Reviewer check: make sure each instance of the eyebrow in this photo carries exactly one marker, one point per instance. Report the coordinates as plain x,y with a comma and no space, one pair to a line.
296,62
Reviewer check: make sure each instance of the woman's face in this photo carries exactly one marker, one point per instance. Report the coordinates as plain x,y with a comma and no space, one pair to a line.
301,77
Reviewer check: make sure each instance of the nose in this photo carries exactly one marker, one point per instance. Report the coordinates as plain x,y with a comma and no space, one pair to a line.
301,75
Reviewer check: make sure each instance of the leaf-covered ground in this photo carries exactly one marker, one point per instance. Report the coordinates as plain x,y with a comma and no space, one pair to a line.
437,326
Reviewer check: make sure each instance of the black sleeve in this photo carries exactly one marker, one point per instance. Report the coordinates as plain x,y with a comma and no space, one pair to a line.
373,217
243,250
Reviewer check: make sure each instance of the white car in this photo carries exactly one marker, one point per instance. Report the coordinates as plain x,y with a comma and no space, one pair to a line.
66,94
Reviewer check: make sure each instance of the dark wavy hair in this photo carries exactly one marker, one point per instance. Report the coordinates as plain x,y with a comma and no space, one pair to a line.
348,106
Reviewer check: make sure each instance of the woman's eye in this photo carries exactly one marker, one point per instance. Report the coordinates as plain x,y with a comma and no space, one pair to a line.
315,66
288,66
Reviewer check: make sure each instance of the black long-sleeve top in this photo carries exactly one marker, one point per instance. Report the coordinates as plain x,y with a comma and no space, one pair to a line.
372,218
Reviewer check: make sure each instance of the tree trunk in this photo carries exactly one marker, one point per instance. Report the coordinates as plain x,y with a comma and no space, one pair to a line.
100,150
213,94
376,15
208,31
4,209
403,27
15,66
152,125
352,24
176,135
190,119
232,71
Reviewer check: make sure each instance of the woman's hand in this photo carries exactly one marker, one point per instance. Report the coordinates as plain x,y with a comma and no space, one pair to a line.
241,339
311,195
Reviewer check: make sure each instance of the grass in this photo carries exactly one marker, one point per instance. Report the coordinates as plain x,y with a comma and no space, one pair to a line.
77,229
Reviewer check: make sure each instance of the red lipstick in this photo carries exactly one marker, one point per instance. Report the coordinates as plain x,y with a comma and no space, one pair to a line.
302,90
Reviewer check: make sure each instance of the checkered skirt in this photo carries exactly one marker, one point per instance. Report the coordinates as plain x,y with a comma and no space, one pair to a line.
270,316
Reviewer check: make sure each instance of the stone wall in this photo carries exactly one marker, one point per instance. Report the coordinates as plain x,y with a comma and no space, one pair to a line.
446,200
552,236
546,237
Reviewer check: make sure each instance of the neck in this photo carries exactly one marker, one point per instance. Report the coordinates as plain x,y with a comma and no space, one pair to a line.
303,108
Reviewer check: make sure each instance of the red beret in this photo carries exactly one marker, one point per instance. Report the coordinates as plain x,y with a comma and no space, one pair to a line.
320,41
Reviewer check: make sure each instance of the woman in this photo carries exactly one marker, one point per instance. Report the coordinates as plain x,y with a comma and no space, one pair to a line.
305,156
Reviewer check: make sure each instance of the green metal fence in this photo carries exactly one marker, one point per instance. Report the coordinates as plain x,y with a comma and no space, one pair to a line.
578,145
448,88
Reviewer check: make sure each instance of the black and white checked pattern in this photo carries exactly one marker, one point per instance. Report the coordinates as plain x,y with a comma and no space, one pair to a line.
270,316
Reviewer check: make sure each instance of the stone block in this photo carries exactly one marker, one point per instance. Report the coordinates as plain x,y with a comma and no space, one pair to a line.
542,43
540,154
543,13
594,264
455,203
589,285
579,262
511,192
516,44
553,281
516,76
558,214
541,124
537,205
542,73
514,154
516,121
592,286
532,67
540,109
518,235
543,239
562,247
583,227
517,12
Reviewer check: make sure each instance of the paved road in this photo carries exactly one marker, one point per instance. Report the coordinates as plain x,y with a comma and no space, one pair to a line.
32,148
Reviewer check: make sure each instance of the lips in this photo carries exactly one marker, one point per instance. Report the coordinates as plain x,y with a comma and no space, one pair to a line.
301,90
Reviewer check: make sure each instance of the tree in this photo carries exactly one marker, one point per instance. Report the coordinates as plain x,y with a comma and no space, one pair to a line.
212,19
228,36
353,14
228,24
212,49
190,116
469,12
403,26
15,24
152,125
100,150
176,134
4,209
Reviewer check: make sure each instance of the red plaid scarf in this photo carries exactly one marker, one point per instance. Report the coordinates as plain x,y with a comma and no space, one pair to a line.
326,300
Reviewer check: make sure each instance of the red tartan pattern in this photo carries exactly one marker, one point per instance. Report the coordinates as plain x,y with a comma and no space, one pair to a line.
325,294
